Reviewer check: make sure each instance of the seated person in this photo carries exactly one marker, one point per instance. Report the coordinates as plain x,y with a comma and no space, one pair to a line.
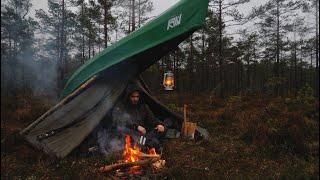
130,116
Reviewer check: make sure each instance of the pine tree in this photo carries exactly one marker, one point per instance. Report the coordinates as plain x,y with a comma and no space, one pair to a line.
134,13
58,24
17,42
225,8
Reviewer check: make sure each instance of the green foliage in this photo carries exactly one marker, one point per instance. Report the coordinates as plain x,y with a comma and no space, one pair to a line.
274,82
173,107
306,102
306,96
17,45
233,100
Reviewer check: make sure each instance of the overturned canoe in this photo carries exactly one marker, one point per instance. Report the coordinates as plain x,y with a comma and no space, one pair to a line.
66,126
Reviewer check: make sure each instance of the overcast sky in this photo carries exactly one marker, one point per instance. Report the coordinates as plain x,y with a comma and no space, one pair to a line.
162,5
159,5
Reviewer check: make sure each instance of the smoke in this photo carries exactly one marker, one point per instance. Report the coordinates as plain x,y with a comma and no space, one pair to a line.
28,70
113,137
29,75
28,55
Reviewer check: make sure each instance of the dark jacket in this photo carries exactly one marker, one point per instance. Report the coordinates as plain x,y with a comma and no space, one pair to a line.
131,117
127,116
125,119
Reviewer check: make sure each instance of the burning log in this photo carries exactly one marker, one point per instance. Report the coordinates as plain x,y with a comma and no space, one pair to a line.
116,166
134,158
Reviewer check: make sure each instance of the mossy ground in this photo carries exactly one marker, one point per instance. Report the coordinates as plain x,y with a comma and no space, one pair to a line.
251,137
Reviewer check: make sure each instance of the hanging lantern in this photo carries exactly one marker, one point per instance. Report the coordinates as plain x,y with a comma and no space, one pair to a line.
168,81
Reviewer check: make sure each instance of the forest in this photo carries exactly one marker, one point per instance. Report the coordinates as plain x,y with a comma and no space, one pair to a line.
250,76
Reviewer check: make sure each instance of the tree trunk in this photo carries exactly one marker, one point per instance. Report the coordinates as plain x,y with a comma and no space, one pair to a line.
89,47
317,49
311,70
301,83
62,49
248,73
221,68
83,31
278,48
139,13
105,24
133,20
295,69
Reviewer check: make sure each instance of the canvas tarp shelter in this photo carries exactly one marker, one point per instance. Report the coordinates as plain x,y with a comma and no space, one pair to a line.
67,126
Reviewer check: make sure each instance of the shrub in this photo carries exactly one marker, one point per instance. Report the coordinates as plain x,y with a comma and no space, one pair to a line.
283,130
307,102
273,83
173,107
305,96
233,99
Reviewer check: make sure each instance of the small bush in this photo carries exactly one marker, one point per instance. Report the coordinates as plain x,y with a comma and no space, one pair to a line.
281,129
305,96
233,99
27,109
273,83
173,107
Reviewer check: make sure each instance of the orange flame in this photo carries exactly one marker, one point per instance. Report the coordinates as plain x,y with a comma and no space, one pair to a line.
152,151
130,154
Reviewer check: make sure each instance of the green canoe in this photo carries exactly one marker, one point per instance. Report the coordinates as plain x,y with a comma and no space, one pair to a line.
63,128
185,16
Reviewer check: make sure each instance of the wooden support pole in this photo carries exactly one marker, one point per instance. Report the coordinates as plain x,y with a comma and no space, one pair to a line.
188,128
184,125
185,113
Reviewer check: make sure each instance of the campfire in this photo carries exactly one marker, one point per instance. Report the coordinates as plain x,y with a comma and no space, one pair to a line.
134,160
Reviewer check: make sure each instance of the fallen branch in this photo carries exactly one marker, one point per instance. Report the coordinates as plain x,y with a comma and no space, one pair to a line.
116,166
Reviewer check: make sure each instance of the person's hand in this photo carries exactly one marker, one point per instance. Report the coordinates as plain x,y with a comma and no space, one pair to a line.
142,130
160,128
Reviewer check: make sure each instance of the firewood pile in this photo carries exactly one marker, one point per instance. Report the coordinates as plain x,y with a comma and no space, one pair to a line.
135,162
146,165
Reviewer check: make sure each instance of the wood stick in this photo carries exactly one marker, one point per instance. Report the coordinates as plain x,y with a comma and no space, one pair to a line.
184,124
62,102
116,166
185,113
143,155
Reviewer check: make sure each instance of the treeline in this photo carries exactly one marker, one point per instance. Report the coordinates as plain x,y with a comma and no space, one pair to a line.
38,54
276,53
272,49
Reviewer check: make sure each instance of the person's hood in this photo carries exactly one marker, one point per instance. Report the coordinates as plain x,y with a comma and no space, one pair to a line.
131,88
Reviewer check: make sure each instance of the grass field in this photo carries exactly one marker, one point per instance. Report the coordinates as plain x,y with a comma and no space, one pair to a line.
251,137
